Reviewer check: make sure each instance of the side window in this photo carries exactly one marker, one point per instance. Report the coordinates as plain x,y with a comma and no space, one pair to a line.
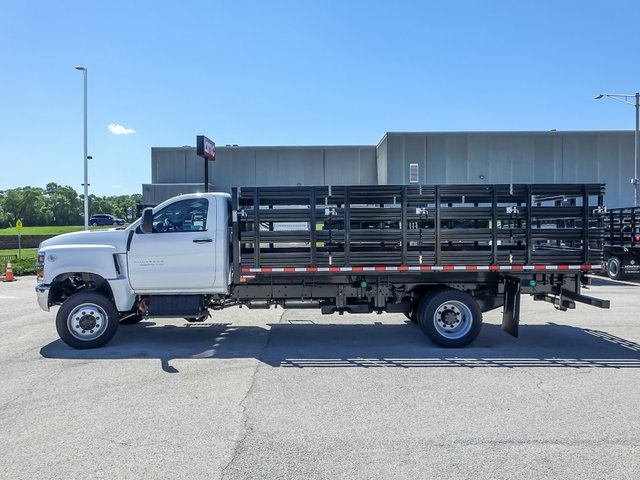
182,216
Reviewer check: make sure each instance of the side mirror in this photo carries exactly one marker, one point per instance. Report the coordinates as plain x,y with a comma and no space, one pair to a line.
147,221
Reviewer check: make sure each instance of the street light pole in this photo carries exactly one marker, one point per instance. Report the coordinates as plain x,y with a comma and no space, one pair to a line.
86,158
637,148
624,98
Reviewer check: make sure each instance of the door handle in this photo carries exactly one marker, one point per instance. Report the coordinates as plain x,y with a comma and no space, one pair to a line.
203,240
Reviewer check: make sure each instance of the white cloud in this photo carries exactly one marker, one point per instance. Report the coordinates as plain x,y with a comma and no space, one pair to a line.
117,187
118,129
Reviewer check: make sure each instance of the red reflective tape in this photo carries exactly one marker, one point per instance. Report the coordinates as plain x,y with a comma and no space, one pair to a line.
471,267
539,267
517,268
403,268
586,266
356,269
448,267
289,269
246,270
334,269
380,269
563,267
425,268
265,270
494,268
312,269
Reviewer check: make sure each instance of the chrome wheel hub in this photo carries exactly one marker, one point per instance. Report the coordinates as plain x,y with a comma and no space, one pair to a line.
453,319
87,321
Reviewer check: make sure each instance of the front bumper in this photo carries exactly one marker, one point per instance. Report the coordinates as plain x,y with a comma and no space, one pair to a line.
42,293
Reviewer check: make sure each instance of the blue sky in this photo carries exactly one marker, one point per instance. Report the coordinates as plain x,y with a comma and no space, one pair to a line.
295,72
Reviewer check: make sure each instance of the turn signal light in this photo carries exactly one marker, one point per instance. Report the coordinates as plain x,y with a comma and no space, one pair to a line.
40,266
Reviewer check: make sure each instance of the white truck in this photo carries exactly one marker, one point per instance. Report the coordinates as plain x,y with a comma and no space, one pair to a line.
441,255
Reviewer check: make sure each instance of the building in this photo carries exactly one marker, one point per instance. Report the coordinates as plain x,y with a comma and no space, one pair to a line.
410,157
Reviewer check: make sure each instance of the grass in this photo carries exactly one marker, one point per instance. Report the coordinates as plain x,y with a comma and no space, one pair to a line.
52,230
25,265
26,252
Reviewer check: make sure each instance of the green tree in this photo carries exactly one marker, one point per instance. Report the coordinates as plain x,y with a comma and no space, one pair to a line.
60,205
27,204
4,221
63,204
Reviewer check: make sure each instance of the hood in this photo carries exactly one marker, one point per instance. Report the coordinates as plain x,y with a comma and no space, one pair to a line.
116,238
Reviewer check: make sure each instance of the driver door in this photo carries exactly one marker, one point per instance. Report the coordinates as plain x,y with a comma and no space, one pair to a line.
179,256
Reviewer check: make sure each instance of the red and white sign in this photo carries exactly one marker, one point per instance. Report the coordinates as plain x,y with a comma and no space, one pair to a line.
205,148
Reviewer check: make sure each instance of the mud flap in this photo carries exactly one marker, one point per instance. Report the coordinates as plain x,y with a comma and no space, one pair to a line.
511,312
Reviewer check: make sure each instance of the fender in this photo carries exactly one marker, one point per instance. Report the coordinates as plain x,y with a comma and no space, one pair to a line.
94,259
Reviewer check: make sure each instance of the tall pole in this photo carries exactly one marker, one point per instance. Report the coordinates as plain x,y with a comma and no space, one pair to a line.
86,158
637,149
206,175
626,98
86,154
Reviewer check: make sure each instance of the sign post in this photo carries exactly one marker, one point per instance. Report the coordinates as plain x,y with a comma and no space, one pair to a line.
206,149
19,229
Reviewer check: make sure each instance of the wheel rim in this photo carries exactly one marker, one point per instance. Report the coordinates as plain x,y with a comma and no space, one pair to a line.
453,319
87,321
613,268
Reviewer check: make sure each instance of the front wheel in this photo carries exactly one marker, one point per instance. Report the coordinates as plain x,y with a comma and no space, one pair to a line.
449,317
87,320
615,270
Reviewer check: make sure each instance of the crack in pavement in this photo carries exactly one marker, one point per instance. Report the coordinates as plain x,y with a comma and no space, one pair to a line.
244,429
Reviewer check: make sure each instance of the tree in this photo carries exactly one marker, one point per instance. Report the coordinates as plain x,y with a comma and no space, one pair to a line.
60,205
25,203
63,204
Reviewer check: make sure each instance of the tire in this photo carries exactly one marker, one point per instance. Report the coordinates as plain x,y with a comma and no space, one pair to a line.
99,313
449,317
615,269
131,319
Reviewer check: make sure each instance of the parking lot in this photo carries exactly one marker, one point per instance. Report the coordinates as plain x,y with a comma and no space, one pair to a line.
294,394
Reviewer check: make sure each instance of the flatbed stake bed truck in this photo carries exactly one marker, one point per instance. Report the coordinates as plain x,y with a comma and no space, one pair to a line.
440,254
622,242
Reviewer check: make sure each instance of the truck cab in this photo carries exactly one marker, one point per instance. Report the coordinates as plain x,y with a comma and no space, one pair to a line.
186,250
179,249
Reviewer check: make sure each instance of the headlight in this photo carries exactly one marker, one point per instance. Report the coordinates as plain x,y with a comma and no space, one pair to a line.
40,266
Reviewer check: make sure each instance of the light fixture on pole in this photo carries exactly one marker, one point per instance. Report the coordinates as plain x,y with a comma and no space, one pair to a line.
86,158
625,98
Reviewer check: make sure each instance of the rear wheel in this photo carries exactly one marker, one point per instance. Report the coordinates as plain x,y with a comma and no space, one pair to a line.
615,270
87,320
449,317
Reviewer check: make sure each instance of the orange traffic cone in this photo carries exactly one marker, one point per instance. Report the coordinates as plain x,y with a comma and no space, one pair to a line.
8,276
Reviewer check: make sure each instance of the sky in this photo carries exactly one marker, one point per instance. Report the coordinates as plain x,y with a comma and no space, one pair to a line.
295,73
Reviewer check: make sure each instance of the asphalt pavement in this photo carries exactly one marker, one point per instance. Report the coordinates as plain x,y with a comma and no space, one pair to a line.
276,394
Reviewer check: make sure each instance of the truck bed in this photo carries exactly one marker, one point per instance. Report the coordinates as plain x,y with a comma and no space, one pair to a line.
622,227
389,228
